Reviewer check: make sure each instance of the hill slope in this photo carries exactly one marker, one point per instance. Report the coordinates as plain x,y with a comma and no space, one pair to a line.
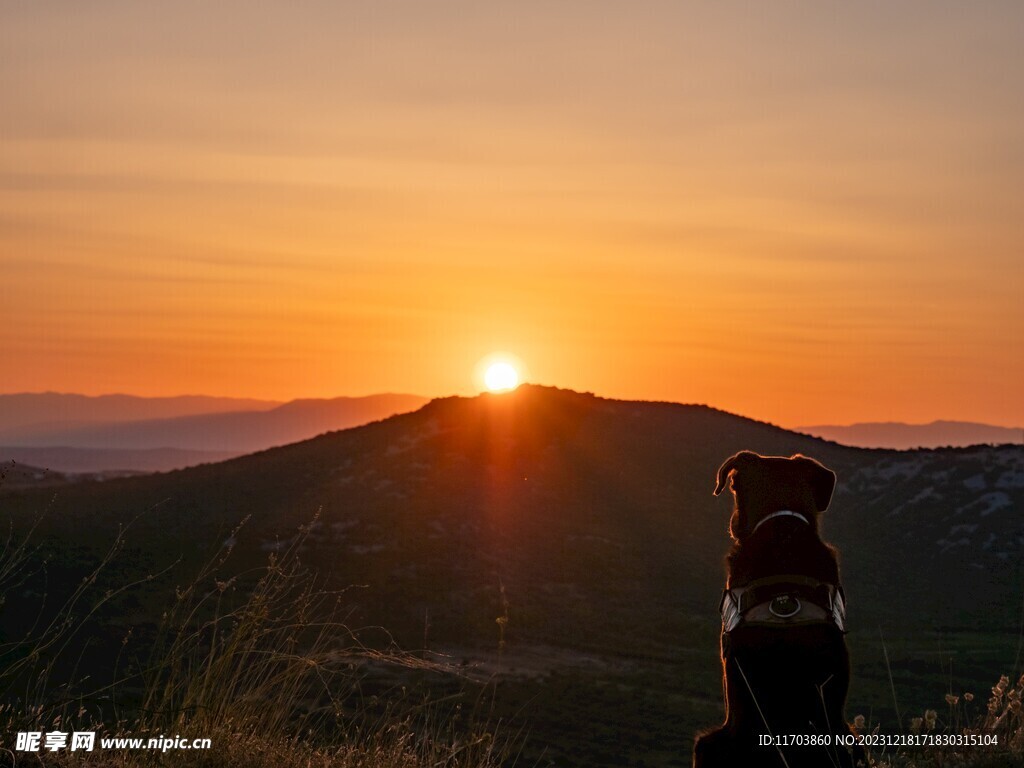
575,504
586,525
905,436
109,460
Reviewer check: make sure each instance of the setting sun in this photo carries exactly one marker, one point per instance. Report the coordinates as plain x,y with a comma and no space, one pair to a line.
501,376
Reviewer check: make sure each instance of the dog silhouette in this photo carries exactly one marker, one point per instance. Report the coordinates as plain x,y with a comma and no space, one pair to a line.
786,667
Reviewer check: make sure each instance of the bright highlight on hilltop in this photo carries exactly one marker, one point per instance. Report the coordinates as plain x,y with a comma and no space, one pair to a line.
500,377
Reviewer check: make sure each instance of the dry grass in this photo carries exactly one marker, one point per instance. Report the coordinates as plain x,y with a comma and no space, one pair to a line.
257,662
999,722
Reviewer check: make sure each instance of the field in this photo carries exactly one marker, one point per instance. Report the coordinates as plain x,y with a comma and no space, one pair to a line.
273,677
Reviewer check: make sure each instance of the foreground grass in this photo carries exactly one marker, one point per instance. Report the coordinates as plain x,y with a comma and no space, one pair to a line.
257,663
263,665
998,724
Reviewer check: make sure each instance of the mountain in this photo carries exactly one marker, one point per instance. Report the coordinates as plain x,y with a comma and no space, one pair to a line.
43,410
564,496
171,443
904,436
109,461
589,526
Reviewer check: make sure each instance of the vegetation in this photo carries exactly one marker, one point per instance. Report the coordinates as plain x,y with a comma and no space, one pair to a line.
997,724
258,663
261,664
586,525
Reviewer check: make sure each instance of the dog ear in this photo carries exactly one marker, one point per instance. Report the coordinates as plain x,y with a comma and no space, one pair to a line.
732,463
821,479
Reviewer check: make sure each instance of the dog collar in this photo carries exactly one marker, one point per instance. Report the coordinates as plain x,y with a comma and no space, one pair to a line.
781,513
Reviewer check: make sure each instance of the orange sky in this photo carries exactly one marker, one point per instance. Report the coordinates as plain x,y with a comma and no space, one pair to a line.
807,215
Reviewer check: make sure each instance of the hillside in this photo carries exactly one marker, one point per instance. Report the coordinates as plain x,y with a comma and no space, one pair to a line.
901,436
19,475
562,495
589,525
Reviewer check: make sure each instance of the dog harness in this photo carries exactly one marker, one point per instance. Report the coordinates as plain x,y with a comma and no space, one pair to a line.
783,601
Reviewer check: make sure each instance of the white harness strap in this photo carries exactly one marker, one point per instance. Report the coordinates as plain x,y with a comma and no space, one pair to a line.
784,607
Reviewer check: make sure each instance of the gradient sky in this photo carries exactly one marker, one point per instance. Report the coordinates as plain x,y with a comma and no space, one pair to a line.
803,212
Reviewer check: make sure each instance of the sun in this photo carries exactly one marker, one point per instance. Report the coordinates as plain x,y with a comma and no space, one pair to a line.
500,371
501,376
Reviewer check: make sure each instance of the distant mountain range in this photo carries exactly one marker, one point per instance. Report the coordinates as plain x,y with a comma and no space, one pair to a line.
109,461
54,410
901,436
90,440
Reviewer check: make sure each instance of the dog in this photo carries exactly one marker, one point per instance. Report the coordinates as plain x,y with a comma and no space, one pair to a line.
786,667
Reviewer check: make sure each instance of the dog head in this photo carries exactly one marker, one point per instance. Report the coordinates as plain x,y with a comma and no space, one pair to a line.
766,484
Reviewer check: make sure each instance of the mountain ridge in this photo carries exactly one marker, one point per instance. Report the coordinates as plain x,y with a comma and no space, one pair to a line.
19,409
192,438
553,468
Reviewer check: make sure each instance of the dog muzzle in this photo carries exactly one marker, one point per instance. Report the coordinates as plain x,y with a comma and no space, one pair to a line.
783,601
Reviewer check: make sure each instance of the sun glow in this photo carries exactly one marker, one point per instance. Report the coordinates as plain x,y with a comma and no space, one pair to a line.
500,371
501,376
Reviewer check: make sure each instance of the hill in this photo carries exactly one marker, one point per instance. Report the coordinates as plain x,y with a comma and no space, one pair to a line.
906,436
545,486
589,527
19,475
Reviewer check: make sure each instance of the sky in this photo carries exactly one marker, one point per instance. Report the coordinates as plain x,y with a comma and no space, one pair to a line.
803,212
